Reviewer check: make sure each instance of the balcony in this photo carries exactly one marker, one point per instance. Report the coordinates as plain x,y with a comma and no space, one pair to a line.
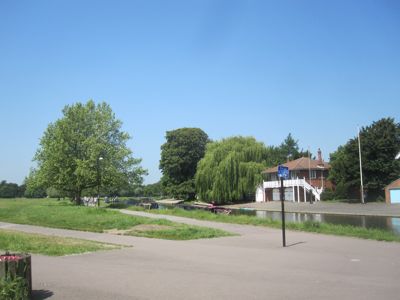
295,183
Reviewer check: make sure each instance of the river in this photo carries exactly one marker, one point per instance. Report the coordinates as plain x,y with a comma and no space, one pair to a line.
385,223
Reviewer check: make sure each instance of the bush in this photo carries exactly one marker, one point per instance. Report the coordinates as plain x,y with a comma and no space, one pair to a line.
13,288
327,194
380,199
118,205
311,225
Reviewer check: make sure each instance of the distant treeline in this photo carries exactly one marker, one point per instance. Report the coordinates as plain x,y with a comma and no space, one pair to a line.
11,190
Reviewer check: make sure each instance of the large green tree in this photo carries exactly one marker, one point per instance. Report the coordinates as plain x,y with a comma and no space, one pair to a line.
84,149
153,190
231,169
288,150
179,157
380,142
34,187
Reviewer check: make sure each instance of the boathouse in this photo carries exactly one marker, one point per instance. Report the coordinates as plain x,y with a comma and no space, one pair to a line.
307,180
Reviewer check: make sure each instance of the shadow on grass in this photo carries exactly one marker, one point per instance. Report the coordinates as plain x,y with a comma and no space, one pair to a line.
41,294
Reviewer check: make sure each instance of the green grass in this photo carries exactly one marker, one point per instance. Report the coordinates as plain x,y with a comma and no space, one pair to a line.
205,215
324,228
62,214
14,241
184,232
165,229
345,230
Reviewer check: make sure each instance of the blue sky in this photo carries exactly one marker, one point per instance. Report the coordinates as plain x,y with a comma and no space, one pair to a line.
317,69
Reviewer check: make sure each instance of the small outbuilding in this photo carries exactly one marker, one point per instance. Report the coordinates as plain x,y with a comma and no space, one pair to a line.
392,192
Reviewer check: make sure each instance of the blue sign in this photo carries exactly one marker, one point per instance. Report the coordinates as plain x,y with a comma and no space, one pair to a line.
283,172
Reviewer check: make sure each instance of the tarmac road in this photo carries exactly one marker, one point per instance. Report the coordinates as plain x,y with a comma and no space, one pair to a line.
250,266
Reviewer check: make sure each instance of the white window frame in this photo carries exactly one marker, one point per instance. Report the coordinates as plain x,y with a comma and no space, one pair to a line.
313,174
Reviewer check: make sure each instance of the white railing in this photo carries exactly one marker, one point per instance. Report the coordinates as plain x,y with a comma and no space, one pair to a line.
313,190
295,182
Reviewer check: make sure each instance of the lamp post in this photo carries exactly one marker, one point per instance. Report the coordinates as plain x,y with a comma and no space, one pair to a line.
361,174
309,171
98,180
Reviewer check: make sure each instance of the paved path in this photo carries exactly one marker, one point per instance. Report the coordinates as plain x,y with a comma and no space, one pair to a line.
368,209
250,266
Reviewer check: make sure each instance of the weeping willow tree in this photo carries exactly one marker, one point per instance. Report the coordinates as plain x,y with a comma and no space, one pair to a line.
230,170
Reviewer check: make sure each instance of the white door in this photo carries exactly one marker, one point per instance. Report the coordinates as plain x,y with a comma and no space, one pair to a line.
395,196
289,194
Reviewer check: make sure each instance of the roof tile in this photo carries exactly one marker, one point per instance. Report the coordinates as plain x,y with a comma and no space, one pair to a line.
302,163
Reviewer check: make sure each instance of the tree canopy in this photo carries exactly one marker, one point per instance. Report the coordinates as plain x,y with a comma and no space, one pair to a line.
11,190
84,149
153,190
179,157
231,169
288,150
380,142
34,188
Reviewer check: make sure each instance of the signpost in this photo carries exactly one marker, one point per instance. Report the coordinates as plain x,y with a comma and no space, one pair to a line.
283,173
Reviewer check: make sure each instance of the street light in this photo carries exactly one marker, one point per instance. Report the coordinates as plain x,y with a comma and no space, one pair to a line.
98,180
309,171
361,174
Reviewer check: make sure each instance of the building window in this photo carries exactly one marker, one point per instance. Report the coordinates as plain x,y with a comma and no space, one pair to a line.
274,177
313,174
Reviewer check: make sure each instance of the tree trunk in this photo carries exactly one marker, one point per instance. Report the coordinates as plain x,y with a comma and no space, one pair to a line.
78,197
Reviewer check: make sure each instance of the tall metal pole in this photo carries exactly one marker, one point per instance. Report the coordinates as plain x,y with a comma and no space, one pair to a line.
283,213
98,180
309,171
361,174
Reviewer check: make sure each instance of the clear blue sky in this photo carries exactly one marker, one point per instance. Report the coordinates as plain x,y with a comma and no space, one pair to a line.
316,69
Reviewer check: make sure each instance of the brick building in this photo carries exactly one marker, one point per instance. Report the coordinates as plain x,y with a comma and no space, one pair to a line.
307,179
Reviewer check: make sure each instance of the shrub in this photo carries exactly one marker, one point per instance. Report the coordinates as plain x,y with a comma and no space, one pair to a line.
327,194
118,205
13,288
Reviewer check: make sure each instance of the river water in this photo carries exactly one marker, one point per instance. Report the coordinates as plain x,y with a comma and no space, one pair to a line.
385,223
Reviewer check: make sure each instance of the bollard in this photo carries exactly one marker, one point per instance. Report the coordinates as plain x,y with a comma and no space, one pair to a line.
17,264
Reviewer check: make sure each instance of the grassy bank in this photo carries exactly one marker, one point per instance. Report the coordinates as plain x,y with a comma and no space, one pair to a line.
325,228
14,241
61,214
345,230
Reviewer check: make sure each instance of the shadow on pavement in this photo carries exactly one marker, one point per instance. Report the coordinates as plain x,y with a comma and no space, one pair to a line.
41,294
294,244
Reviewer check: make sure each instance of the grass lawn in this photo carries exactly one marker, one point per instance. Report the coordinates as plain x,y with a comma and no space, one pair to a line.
62,214
342,230
15,241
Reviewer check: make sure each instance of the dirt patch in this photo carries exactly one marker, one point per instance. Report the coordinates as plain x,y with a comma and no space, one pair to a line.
138,228
150,227
117,231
